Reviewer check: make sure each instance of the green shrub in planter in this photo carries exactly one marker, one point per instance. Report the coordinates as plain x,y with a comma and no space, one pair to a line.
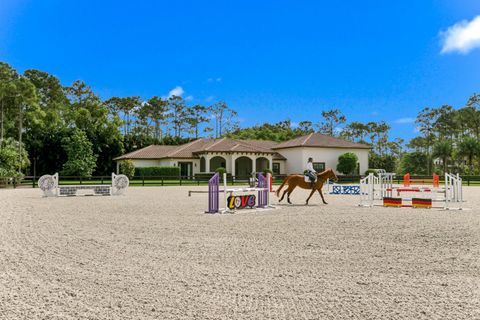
371,171
347,163
127,168
266,170
221,171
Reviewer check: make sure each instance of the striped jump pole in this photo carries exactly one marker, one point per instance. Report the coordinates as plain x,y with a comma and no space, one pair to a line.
213,194
264,192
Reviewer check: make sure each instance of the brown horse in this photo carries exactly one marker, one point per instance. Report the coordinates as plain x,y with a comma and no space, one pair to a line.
297,180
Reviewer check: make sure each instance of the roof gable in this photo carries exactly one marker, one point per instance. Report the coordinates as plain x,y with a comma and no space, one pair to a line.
320,141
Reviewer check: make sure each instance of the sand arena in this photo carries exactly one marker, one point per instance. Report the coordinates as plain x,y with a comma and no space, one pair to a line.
152,255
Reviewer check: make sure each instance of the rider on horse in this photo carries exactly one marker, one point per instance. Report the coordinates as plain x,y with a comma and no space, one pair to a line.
310,172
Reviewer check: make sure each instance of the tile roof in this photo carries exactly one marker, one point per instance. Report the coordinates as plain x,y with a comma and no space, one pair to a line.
234,145
150,152
321,141
194,148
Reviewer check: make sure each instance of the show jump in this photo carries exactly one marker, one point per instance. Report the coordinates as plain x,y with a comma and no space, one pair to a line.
50,186
380,188
232,200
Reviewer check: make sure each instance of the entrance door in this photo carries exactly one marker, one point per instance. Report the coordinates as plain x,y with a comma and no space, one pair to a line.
186,169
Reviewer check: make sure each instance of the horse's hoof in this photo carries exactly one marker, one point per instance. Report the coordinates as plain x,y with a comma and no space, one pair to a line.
325,203
289,202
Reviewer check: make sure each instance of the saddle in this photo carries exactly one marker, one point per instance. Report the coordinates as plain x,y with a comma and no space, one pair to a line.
307,179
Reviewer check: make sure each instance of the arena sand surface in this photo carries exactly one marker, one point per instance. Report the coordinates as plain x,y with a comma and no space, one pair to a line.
152,254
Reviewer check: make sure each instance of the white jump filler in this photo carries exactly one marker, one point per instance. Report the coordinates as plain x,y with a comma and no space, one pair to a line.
51,188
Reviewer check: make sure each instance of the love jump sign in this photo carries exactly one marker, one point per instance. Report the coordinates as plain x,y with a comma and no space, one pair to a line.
241,202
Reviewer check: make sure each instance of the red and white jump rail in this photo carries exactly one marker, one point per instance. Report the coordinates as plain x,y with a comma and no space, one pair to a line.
435,181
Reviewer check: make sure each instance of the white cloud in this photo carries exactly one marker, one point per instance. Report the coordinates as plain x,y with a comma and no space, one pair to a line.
188,98
405,120
210,98
218,79
462,37
177,91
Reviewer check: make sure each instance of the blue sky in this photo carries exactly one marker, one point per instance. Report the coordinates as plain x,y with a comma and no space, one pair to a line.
269,60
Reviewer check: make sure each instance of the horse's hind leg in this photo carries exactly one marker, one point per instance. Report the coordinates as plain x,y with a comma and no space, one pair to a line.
321,195
311,194
288,194
283,195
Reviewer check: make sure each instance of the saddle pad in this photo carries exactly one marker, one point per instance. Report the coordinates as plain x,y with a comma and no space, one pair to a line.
307,179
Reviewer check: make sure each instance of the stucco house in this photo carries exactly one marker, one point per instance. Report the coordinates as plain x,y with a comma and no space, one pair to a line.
242,157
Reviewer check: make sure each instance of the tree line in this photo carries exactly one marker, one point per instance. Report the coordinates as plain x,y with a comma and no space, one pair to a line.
448,140
46,127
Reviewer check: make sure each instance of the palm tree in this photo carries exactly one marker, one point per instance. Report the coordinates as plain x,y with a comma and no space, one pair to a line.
469,148
443,149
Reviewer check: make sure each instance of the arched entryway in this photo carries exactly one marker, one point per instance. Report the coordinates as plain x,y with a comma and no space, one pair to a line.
262,163
217,162
243,167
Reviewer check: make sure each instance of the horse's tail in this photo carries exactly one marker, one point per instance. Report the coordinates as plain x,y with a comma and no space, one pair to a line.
281,186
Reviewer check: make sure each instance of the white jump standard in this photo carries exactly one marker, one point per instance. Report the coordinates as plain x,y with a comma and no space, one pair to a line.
373,188
51,188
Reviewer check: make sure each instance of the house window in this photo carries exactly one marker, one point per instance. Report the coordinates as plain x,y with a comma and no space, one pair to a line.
276,168
319,166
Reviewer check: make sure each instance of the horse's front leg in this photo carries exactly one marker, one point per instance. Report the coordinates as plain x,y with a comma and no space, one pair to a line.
321,195
311,194
283,195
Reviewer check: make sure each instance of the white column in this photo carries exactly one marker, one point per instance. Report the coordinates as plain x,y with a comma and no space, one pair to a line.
118,167
270,162
207,163
228,162
254,163
232,166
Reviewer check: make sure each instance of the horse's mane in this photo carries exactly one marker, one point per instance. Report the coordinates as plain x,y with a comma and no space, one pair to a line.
321,174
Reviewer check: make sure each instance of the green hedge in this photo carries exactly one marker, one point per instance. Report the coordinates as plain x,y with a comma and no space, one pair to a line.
158,172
